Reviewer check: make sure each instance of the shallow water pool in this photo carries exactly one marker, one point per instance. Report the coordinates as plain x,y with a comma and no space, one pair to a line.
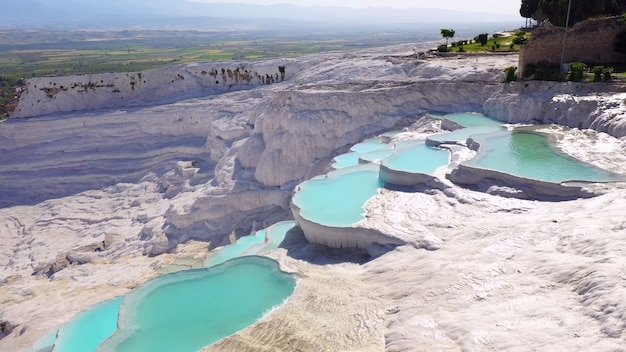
377,156
472,119
367,147
417,157
530,155
337,200
352,158
235,249
188,310
460,136
88,329
346,160
273,236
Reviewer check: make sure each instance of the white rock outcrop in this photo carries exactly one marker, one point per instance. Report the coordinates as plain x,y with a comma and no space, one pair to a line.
598,106
100,193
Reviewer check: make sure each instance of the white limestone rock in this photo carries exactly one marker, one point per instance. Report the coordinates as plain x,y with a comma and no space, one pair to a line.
569,104
480,272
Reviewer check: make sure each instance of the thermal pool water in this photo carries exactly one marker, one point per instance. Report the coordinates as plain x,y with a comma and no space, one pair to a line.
191,309
531,155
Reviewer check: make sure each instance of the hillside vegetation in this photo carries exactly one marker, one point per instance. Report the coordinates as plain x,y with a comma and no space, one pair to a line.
555,11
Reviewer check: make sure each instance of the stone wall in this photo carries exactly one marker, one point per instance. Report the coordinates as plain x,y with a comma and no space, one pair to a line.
590,42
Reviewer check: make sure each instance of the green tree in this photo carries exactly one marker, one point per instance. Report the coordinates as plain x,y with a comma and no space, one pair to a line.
528,9
447,33
482,38
556,10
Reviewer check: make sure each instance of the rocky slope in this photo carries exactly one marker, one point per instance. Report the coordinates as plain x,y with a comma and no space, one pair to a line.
93,198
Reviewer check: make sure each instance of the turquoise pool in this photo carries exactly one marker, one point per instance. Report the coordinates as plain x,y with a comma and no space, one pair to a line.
188,310
367,147
346,160
472,119
87,330
276,235
530,155
337,200
377,156
259,243
352,158
90,328
460,136
236,249
417,157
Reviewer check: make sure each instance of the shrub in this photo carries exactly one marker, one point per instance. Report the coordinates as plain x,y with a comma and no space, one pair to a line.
601,73
461,49
512,46
606,74
443,48
520,40
576,71
510,73
598,72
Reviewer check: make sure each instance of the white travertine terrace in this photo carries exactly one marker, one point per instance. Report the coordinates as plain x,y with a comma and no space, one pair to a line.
95,202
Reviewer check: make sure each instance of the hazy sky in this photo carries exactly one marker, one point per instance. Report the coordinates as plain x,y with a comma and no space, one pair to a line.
496,6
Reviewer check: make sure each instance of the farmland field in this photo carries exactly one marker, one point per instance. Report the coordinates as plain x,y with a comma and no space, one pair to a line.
32,53
38,53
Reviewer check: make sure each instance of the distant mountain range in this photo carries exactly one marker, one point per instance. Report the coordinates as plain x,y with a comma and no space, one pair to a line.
85,14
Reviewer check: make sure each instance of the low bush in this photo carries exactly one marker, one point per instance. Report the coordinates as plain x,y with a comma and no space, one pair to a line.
576,71
443,48
511,73
598,72
520,40
606,74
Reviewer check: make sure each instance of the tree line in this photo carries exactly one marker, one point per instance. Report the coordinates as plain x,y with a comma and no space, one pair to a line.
555,11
